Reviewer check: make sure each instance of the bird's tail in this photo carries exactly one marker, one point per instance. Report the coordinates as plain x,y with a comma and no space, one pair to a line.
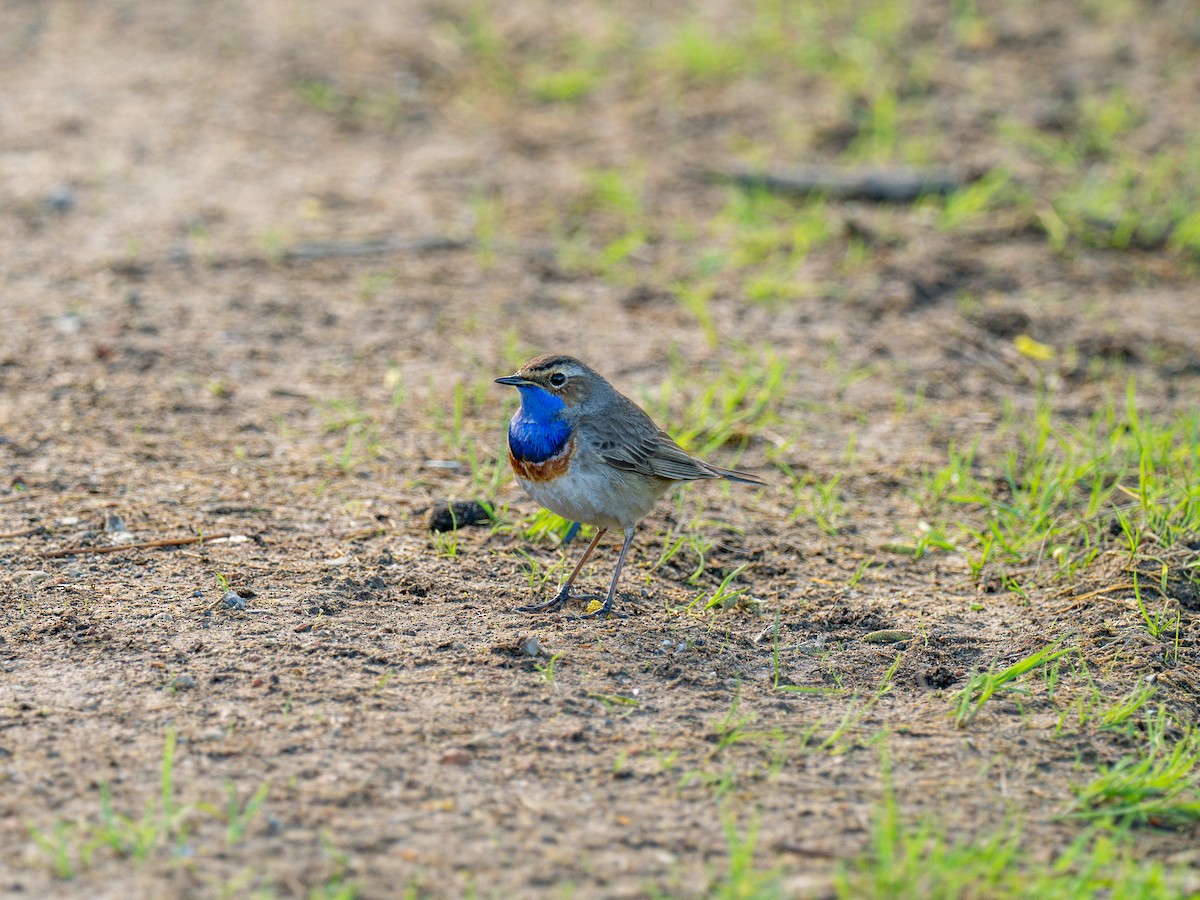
734,475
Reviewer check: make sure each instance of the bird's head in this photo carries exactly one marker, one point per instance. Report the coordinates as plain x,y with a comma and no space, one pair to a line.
552,384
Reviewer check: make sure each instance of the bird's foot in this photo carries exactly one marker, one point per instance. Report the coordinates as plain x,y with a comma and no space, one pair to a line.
549,606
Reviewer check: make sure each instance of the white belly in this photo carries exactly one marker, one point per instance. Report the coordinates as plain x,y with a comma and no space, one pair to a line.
606,499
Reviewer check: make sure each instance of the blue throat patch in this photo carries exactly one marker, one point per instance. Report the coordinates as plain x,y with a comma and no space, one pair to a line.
536,433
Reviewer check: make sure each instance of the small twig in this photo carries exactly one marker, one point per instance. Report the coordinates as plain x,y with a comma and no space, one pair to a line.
363,534
25,532
301,253
1099,592
876,186
994,355
371,247
145,545
1063,592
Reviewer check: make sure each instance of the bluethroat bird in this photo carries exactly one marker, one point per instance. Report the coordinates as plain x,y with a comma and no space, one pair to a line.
590,454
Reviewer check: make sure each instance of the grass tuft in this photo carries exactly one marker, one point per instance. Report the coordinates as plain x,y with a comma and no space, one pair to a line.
1157,786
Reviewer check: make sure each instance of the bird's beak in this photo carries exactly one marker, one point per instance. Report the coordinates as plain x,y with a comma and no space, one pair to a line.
514,380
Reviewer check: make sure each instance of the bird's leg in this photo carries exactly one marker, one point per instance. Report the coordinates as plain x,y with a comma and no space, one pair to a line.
557,602
606,609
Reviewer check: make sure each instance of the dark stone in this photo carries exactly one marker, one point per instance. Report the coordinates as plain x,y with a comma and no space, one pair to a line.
447,515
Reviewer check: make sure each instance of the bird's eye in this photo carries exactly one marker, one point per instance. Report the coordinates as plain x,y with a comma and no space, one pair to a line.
558,379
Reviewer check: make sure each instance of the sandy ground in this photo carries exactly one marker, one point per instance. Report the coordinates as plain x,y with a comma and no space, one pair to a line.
167,369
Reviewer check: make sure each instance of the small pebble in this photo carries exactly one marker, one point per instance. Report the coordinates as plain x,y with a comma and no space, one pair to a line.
68,324
183,682
887,636
530,646
61,199
274,826
456,757
114,523
233,600
813,647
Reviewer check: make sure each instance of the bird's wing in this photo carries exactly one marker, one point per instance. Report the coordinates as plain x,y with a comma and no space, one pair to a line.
669,460
627,439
